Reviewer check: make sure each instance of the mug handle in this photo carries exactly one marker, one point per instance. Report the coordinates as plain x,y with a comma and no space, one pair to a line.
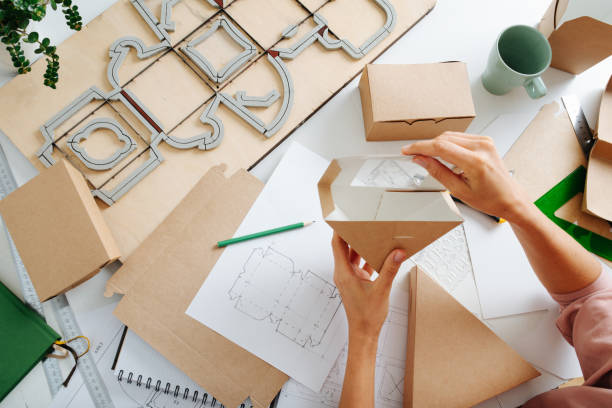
535,88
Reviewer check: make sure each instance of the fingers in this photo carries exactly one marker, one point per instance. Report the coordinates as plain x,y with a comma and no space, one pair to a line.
443,174
390,267
445,149
340,250
354,257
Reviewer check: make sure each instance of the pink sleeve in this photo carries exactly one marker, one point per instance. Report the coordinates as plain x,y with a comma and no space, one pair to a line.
586,323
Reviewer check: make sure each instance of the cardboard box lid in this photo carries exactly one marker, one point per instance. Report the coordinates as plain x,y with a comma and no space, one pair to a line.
577,44
58,229
448,345
163,275
598,195
419,91
375,218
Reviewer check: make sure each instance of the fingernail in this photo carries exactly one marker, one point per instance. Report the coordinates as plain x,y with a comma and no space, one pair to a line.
399,256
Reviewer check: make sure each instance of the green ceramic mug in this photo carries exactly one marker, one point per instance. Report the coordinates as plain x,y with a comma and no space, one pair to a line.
520,55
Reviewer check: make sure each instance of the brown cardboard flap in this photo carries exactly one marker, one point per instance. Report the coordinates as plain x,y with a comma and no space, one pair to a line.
420,91
546,152
448,345
580,43
552,17
598,196
416,129
374,220
58,230
324,186
163,275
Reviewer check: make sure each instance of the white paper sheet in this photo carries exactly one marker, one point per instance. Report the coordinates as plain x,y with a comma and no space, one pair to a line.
505,280
395,172
536,338
275,296
390,364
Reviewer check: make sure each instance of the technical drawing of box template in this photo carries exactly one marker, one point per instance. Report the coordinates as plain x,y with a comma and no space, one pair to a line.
376,219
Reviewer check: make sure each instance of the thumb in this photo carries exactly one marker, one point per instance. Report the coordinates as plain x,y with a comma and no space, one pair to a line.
391,266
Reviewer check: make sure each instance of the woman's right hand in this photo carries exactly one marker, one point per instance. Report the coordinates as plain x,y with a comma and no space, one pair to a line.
480,179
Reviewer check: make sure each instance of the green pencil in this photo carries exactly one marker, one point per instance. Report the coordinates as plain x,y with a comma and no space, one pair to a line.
231,241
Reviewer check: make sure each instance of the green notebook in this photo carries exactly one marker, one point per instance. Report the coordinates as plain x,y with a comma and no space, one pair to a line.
25,339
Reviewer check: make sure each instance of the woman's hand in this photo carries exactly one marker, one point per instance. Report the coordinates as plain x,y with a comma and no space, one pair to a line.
366,302
483,182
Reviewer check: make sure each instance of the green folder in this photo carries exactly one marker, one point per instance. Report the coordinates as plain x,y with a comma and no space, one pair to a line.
25,339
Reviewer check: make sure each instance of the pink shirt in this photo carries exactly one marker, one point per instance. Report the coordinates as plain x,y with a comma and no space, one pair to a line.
586,323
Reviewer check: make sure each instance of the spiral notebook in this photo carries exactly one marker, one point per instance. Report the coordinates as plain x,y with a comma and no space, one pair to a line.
150,379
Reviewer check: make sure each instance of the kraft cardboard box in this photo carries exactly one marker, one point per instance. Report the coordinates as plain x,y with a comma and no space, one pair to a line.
418,101
58,230
379,203
597,193
576,44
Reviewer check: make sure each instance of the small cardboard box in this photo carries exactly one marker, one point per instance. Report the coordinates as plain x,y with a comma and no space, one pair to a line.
58,230
577,44
597,193
405,102
377,204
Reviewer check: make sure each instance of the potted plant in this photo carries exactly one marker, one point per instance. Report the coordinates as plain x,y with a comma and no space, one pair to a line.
15,17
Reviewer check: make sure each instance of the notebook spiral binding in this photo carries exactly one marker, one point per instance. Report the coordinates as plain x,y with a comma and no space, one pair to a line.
167,389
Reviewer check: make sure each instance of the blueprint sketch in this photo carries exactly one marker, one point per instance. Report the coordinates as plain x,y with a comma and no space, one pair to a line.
275,296
390,366
301,309
395,172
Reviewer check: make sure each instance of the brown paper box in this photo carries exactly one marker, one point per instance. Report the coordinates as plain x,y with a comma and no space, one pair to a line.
58,229
376,220
597,193
419,101
163,275
453,360
577,44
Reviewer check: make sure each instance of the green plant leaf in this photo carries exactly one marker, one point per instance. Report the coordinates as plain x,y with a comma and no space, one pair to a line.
46,42
32,37
53,4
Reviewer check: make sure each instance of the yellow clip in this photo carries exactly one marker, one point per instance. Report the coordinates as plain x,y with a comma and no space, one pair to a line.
73,339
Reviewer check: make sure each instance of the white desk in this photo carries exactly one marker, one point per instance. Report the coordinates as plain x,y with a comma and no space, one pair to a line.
455,30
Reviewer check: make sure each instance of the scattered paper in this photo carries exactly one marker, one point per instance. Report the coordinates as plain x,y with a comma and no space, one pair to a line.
504,278
275,296
536,338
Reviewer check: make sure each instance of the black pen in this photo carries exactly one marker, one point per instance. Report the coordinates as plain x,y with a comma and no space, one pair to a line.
497,219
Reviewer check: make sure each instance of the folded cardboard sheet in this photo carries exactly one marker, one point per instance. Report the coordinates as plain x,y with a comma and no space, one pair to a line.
417,101
597,193
58,230
453,360
395,208
549,143
577,44
162,276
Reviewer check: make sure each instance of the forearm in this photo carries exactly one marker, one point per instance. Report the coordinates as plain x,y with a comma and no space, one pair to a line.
358,388
561,264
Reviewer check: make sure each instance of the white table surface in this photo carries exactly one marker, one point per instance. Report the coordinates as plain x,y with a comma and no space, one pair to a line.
455,30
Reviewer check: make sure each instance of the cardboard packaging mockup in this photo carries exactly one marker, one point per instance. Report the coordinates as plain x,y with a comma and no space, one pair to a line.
577,44
162,276
58,230
419,101
597,193
375,205
453,360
